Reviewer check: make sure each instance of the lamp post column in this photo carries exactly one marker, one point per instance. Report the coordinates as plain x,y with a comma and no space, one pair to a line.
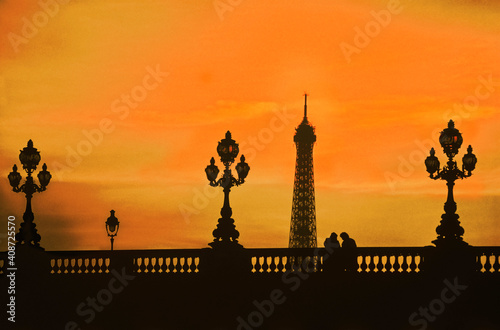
226,211
449,231
226,234
112,226
29,157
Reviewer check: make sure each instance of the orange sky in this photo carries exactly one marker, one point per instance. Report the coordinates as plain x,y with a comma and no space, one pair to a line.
79,79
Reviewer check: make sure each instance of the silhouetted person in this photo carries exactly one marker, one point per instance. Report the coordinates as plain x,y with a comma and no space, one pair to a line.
332,242
331,260
349,254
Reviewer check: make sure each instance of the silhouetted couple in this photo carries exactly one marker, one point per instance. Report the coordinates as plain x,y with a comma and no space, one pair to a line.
340,259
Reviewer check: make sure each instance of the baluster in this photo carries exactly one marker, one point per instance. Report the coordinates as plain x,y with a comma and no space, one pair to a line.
166,263
79,266
363,265
182,264
154,265
496,265
52,266
258,266
107,262
139,265
175,263
65,265
487,265
93,264
61,266
197,262
145,264
380,265
393,260
273,264
420,263
186,266
86,265
161,264
58,267
72,263
404,266
100,262
253,262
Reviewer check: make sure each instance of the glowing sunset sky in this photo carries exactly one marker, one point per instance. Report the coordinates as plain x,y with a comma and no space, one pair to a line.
126,100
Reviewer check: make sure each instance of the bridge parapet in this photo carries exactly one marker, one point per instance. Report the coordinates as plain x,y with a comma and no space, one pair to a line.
370,260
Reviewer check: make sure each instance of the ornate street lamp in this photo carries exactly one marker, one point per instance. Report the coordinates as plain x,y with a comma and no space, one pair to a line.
112,226
226,234
29,157
449,231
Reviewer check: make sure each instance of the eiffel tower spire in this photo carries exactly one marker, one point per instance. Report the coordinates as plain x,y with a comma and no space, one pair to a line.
305,106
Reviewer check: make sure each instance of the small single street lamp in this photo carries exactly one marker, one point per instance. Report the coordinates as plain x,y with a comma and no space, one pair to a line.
112,226
226,234
29,157
449,231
